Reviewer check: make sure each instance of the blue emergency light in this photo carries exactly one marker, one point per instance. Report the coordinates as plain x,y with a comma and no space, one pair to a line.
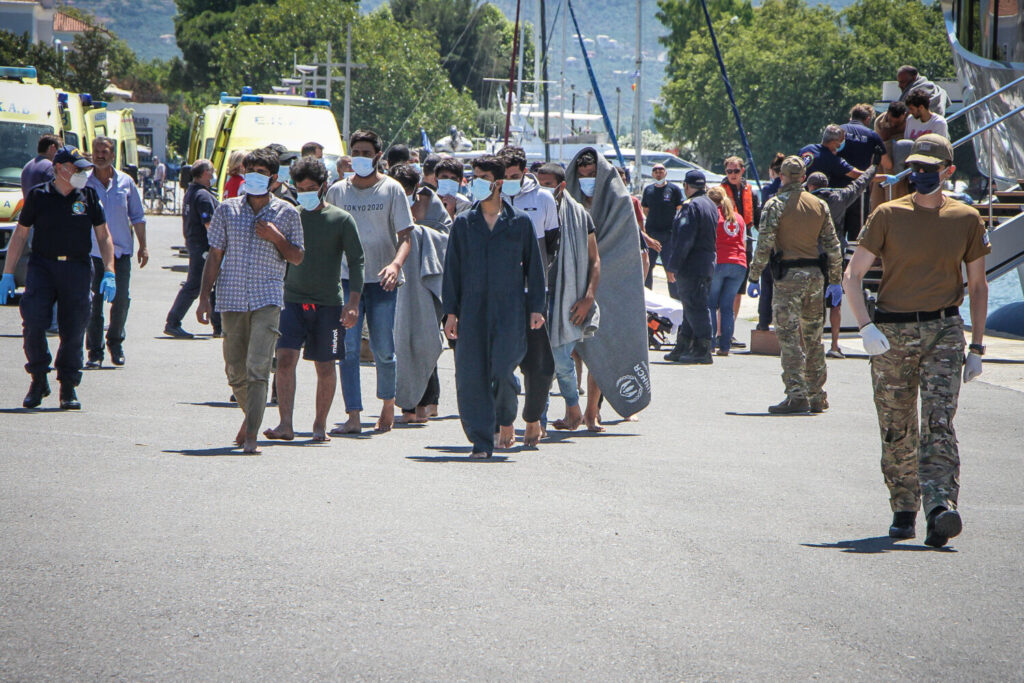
246,89
313,102
11,72
228,99
251,98
311,94
62,97
86,99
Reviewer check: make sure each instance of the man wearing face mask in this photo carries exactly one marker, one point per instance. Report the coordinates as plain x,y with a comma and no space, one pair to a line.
449,181
63,212
825,157
493,291
916,340
314,317
252,240
380,208
661,200
126,220
538,367
197,212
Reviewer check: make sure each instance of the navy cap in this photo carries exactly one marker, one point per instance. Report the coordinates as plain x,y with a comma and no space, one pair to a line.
70,155
695,178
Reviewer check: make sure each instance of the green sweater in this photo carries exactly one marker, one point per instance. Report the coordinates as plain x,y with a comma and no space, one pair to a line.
328,234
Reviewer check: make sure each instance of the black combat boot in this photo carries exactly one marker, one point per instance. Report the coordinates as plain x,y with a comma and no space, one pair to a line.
37,391
943,524
818,405
903,524
68,397
700,353
682,347
790,406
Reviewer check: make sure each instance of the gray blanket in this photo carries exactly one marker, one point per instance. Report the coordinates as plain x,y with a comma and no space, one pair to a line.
418,315
617,354
571,266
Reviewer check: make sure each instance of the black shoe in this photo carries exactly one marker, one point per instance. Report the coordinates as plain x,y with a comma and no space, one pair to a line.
943,524
177,332
790,406
903,524
700,354
94,364
37,391
683,346
737,344
68,398
117,356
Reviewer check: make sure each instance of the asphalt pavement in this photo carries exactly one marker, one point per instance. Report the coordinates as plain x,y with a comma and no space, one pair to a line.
707,541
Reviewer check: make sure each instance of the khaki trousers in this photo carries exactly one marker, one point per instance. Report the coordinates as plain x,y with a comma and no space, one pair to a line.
249,341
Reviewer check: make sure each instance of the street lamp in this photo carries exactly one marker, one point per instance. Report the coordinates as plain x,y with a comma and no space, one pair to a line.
306,70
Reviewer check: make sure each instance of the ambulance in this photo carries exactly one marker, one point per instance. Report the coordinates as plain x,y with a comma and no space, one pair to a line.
27,111
251,121
118,125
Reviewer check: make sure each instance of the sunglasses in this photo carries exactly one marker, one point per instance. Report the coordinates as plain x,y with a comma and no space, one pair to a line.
733,171
924,168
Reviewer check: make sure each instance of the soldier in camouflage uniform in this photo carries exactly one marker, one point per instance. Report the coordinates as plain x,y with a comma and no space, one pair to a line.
916,341
797,227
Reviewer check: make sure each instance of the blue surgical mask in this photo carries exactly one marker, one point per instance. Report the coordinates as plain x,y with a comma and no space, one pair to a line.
446,187
926,183
841,145
308,200
363,166
510,188
418,167
481,189
587,186
256,183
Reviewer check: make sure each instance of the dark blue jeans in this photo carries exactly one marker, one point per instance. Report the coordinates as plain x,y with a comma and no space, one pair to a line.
378,307
693,292
724,283
65,283
118,307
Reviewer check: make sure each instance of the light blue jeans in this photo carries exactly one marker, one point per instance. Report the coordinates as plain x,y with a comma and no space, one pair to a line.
724,284
378,307
565,373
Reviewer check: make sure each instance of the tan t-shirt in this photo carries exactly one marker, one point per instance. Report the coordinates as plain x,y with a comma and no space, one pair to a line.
922,252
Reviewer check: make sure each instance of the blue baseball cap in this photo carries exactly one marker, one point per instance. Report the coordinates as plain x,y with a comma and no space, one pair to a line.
695,178
70,155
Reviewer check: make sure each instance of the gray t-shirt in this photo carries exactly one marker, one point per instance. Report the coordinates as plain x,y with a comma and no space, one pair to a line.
381,212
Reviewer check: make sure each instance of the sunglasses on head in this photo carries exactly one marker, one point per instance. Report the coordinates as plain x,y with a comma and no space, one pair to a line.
732,171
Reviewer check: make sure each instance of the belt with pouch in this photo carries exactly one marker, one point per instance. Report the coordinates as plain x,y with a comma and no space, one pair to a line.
915,316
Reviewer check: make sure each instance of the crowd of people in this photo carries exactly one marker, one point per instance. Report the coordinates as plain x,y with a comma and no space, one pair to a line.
538,268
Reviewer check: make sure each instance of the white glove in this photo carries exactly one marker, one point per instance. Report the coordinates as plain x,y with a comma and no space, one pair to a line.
972,367
875,342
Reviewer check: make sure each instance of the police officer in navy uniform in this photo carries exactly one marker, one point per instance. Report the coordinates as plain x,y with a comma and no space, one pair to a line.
62,213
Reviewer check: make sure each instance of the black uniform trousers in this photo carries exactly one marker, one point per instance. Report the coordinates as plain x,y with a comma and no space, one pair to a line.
118,307
693,292
65,283
189,291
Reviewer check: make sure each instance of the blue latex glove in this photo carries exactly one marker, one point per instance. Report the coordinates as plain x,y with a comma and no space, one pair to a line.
6,288
889,180
108,288
754,290
834,295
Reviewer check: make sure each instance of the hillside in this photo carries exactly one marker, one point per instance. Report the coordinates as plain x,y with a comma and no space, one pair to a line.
146,25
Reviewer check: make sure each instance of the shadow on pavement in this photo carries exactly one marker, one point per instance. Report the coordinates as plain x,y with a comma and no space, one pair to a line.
204,452
766,414
875,545
460,454
209,404
49,409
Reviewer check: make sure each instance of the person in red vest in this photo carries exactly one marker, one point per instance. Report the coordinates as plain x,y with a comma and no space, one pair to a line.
748,205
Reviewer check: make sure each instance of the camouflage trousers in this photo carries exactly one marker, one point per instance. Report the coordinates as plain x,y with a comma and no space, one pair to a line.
925,359
798,309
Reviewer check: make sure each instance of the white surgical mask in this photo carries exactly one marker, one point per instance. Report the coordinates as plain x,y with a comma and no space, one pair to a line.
481,189
256,183
661,183
79,179
308,200
412,199
587,186
446,187
510,188
363,166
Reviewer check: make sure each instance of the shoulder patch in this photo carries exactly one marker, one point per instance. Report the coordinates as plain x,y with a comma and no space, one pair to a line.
78,208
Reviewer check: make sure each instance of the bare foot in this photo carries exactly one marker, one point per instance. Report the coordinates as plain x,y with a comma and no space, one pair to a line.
572,420
593,422
532,435
479,455
424,413
633,418
387,417
431,410
351,426
250,447
410,418
320,436
279,433
240,437
506,436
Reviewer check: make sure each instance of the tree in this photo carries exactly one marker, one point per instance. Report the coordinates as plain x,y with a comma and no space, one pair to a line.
19,50
95,58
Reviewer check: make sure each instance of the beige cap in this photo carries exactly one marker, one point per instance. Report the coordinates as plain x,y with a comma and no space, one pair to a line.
931,148
792,167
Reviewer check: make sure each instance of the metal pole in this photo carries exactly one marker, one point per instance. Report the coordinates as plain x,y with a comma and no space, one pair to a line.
522,50
512,72
561,102
618,107
348,84
328,71
991,176
638,137
544,77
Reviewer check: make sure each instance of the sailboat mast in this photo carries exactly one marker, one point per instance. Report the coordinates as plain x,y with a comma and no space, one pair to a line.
561,125
544,77
638,143
512,73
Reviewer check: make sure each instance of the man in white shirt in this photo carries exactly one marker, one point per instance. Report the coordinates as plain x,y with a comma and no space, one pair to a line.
381,210
921,119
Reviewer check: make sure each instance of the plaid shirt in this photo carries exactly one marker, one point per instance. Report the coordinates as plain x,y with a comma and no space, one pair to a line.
252,272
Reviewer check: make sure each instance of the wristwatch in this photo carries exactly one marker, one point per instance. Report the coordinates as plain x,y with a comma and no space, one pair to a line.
978,349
